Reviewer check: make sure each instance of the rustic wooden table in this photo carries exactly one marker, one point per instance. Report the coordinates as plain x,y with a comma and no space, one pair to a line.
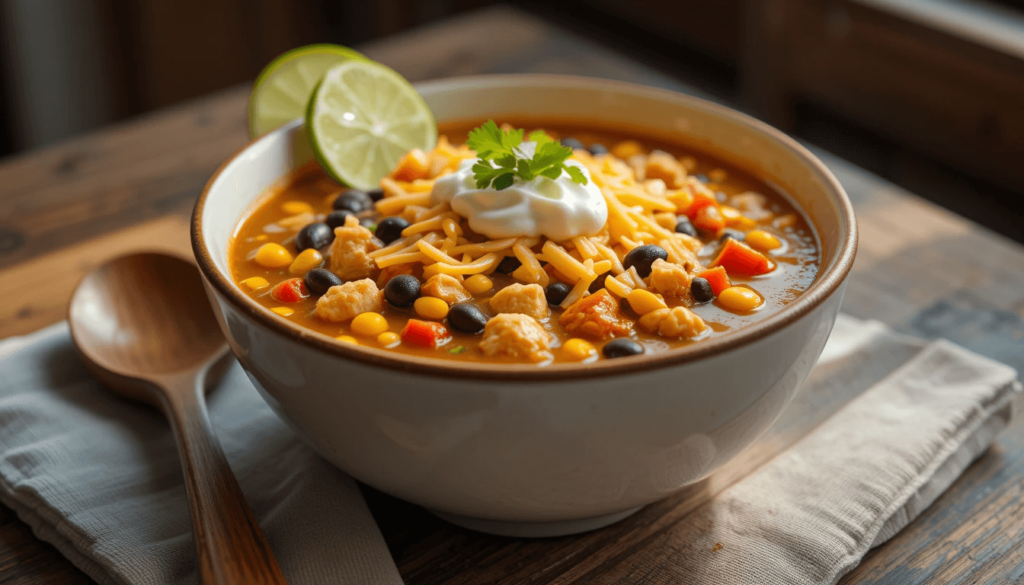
67,208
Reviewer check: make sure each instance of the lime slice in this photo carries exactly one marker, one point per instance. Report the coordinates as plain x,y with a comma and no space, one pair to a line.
282,89
362,118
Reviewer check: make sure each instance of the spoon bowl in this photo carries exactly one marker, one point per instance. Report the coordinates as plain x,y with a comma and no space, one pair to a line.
144,327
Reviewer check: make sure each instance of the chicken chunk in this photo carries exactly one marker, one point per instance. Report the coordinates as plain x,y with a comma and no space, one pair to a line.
516,336
445,287
352,243
527,299
345,301
597,315
671,280
664,166
677,322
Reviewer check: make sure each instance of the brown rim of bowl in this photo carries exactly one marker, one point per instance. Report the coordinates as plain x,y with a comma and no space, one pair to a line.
821,289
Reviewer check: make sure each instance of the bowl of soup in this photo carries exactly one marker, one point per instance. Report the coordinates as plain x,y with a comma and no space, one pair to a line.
533,362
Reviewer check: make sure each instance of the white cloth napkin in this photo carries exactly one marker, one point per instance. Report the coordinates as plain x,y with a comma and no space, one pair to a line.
99,477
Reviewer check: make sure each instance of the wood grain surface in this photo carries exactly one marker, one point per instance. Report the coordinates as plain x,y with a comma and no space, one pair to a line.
921,270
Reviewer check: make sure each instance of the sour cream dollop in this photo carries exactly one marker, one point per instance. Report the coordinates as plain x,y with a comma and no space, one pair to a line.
558,209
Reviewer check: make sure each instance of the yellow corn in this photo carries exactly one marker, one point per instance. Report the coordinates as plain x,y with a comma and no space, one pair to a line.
478,284
644,301
347,339
739,299
283,311
369,324
296,207
273,256
306,260
578,349
627,148
734,219
762,240
255,282
388,338
431,308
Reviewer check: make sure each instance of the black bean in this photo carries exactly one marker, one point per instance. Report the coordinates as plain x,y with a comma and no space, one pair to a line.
509,265
702,178
402,290
390,229
642,257
621,347
353,200
572,143
685,226
337,218
556,293
597,148
314,235
319,280
467,318
701,290
731,233
375,194
598,284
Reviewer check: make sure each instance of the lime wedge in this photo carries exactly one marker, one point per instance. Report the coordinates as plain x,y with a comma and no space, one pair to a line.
282,89
362,118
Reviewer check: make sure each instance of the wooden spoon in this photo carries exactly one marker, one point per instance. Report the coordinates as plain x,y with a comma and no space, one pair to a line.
145,328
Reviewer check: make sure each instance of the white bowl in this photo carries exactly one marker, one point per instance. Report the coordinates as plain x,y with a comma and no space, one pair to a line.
517,449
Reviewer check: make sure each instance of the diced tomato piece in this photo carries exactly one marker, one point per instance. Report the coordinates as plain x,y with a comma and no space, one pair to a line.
717,278
292,290
701,199
424,333
739,258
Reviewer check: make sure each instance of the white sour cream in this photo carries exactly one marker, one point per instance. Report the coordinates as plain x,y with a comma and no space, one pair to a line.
558,209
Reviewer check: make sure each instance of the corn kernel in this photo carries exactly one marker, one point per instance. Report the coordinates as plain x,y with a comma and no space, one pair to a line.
735,219
255,282
478,284
643,301
389,338
762,240
627,148
296,207
347,339
431,308
739,299
369,324
283,311
578,349
273,256
306,260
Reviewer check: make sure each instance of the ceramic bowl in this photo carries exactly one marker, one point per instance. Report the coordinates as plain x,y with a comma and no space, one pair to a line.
517,449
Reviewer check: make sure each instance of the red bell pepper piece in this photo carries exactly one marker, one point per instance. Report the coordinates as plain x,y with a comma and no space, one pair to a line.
717,278
424,333
739,258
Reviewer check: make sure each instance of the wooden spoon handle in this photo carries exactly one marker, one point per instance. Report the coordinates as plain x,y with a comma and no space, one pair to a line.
231,548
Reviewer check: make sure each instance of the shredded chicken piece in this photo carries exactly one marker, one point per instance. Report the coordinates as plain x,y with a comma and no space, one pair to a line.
677,322
352,243
664,166
527,299
445,287
597,315
516,336
345,301
671,280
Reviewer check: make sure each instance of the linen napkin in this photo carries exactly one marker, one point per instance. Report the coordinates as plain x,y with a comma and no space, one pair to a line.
99,477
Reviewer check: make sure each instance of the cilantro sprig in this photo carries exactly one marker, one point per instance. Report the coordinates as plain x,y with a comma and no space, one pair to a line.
502,161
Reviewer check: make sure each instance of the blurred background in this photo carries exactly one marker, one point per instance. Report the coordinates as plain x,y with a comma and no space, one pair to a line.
926,93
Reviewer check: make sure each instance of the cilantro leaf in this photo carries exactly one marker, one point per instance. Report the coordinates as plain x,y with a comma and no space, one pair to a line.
576,175
501,161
